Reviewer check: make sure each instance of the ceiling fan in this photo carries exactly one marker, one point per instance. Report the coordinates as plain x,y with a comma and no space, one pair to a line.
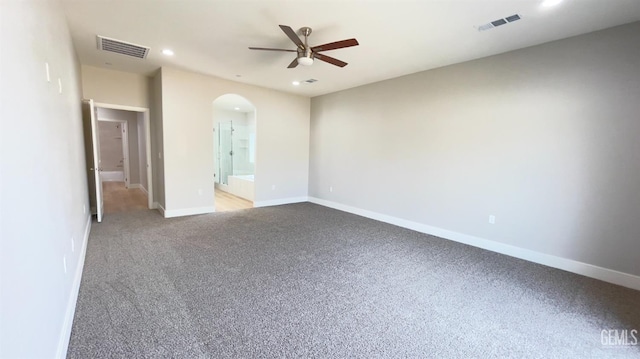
306,54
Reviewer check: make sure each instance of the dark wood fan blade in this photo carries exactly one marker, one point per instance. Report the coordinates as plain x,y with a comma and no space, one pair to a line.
269,49
292,35
330,60
293,63
335,45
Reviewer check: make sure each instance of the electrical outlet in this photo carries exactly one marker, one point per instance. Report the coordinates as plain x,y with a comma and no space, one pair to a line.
84,209
200,191
59,85
492,219
73,245
273,187
46,66
64,264
330,188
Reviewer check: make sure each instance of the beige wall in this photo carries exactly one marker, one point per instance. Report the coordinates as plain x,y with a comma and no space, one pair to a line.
44,207
115,87
127,89
544,138
282,158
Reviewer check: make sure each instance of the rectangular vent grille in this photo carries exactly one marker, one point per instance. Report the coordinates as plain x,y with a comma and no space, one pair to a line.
499,22
512,18
310,81
122,47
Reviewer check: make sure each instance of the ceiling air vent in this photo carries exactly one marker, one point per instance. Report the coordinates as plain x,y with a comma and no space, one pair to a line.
499,22
310,81
121,47
512,18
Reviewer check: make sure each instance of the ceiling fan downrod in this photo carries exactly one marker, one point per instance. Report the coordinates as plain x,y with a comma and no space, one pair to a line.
305,55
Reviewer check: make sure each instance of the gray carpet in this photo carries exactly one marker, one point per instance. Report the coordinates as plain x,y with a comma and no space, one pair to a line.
307,281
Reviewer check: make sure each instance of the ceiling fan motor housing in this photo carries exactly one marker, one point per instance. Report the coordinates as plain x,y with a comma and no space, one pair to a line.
305,57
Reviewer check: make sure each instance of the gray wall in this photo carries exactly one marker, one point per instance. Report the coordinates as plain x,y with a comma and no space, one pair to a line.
142,148
544,138
157,134
44,207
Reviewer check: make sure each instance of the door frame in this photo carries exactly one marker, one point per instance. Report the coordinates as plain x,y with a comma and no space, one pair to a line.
147,134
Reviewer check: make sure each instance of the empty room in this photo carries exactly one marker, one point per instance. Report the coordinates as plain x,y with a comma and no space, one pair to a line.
327,179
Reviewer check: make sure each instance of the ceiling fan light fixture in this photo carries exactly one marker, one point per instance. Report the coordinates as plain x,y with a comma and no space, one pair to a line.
305,61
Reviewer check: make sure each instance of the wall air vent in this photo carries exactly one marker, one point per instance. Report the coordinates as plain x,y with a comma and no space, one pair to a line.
499,22
122,47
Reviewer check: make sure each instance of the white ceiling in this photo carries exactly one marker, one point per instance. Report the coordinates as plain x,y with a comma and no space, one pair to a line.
396,37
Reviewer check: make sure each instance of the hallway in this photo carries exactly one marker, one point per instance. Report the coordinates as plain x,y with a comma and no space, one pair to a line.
118,198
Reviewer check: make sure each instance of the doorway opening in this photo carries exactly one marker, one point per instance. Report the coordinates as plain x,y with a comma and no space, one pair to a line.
124,158
234,120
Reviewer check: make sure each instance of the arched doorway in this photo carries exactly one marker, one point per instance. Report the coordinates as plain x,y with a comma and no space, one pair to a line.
234,120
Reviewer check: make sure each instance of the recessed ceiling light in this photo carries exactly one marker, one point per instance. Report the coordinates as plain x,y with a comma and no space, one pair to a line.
237,108
167,52
550,3
296,83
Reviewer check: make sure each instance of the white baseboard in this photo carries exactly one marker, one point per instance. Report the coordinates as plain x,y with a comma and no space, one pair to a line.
170,213
277,202
589,270
139,186
159,208
65,335
112,176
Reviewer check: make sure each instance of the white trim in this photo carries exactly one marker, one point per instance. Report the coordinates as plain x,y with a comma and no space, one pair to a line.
169,213
277,202
125,151
160,209
120,107
112,176
589,270
67,325
141,187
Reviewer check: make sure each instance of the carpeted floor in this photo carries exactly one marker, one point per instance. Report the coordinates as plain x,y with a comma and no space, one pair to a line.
307,281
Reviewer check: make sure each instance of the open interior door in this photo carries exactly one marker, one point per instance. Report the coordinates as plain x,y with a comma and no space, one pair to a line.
92,155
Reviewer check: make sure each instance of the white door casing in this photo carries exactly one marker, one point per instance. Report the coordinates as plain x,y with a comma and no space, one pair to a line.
95,139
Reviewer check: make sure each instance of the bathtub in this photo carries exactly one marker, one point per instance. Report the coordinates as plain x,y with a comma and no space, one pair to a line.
241,186
245,177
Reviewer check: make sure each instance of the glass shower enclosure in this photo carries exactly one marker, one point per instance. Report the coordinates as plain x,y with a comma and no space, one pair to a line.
235,152
225,141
